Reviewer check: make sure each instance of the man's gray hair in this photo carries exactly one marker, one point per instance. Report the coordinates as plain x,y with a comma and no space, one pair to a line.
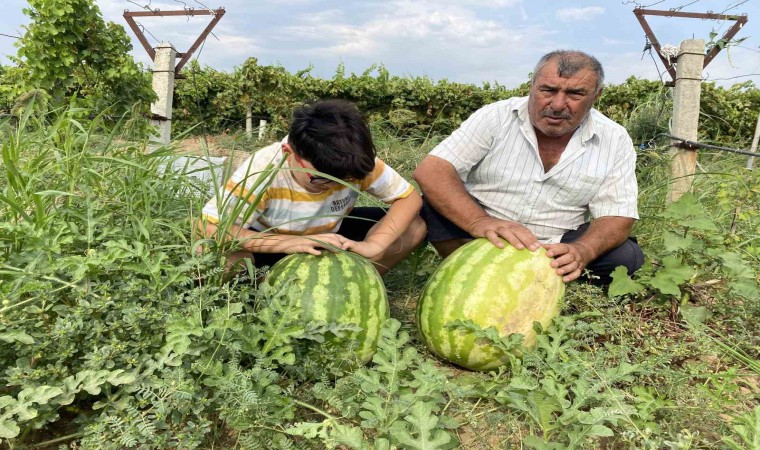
569,62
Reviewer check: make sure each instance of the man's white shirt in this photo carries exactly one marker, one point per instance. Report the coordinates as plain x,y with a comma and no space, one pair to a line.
495,154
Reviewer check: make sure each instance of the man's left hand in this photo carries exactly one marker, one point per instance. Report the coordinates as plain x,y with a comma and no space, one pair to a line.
569,259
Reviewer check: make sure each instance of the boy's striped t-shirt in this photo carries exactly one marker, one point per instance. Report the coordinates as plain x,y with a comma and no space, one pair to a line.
287,208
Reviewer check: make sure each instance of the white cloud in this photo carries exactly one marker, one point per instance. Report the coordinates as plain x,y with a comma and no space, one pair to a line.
579,14
612,41
464,40
491,3
405,26
426,37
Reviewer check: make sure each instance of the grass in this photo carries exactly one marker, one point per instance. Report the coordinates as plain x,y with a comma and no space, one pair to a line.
104,300
700,379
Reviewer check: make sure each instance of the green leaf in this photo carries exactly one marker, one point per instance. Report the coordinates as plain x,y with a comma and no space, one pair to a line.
695,315
40,394
119,377
16,336
736,266
423,434
623,284
600,430
674,242
309,430
538,443
686,207
93,380
667,279
350,436
8,429
700,223
746,288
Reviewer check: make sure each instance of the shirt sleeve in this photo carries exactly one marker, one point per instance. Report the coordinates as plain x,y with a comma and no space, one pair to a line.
386,184
242,195
618,194
470,143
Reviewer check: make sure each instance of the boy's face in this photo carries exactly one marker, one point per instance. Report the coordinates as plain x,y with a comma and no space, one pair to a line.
309,181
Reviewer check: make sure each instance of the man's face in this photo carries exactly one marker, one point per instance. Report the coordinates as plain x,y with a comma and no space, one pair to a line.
557,105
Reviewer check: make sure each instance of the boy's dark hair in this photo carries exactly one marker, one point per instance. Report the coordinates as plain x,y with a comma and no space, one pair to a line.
334,138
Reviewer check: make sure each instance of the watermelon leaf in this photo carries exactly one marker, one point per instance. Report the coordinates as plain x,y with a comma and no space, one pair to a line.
423,434
509,345
317,329
350,436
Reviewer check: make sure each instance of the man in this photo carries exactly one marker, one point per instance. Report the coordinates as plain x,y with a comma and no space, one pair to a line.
535,171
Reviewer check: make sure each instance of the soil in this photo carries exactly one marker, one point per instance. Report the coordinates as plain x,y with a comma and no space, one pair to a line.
217,146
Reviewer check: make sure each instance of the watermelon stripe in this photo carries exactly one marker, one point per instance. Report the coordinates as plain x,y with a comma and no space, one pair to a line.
492,287
338,288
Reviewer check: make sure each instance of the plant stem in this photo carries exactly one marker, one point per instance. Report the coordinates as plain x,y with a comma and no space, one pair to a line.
315,409
68,437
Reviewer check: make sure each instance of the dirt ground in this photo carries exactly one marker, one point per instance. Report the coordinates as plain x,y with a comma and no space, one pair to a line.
217,146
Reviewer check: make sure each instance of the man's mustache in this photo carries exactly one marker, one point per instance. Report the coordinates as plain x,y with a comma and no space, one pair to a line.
555,114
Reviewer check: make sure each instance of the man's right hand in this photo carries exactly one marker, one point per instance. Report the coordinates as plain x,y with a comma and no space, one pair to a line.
495,229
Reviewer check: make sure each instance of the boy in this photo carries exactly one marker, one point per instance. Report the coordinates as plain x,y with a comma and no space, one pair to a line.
300,211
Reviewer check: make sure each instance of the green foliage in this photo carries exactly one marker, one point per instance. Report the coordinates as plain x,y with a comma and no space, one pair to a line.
693,249
747,426
81,277
399,401
508,346
418,104
68,49
195,101
115,333
728,115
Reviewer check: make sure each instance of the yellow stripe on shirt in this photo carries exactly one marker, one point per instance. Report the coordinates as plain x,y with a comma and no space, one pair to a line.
374,175
283,193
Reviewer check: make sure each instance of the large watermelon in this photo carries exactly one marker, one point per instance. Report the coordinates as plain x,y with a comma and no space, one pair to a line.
342,288
505,288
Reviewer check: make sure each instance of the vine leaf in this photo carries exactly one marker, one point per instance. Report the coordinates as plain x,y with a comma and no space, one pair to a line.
623,284
671,276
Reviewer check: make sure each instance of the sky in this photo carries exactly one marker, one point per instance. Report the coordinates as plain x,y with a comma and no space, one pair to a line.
467,41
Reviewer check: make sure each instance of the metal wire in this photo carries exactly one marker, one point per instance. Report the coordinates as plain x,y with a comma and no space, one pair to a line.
689,143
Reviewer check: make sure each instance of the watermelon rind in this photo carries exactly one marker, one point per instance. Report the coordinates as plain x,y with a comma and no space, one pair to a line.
504,288
339,288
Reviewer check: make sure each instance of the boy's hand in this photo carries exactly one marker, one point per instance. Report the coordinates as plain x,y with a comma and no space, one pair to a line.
314,244
368,249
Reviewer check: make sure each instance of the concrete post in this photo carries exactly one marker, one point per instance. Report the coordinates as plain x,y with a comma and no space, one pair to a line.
753,149
686,114
163,86
248,121
262,128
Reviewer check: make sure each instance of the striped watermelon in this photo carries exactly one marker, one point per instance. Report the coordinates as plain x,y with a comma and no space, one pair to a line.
342,288
505,288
